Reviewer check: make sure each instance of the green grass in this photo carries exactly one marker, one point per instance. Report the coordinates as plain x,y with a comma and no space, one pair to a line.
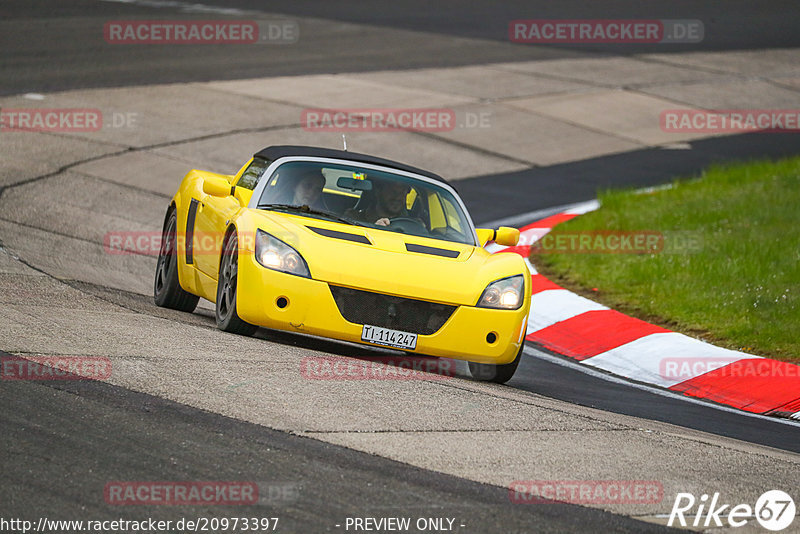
739,289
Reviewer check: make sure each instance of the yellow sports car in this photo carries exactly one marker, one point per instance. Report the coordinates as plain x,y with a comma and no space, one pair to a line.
350,247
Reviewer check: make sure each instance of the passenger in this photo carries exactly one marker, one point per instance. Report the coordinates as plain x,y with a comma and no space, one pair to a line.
302,189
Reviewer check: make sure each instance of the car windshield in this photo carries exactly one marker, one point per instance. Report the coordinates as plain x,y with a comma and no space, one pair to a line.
366,197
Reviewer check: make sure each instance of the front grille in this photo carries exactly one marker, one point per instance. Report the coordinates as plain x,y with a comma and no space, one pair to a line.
398,313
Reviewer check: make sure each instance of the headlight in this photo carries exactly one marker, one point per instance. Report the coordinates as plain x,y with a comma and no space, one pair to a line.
504,294
274,254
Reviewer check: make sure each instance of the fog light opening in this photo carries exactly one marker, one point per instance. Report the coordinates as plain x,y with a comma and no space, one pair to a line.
282,302
491,338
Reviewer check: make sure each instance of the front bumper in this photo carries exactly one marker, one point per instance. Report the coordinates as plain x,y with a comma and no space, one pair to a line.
292,303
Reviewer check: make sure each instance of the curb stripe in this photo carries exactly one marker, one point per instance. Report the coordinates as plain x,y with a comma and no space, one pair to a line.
753,384
791,407
593,333
555,305
522,250
649,359
550,222
541,283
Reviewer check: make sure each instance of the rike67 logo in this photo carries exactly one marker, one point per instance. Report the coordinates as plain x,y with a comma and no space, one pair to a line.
774,510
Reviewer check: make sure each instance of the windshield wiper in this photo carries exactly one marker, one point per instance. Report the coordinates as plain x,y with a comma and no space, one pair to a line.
306,209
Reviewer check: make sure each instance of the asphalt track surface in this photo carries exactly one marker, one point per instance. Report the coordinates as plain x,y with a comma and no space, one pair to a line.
114,432
54,45
64,441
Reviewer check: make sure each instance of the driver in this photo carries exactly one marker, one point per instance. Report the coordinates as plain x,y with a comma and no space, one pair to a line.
390,202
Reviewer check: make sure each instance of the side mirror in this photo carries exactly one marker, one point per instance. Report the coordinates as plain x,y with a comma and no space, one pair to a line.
505,236
216,187
508,237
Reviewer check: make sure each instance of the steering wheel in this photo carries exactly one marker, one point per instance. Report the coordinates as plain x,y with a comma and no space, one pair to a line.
407,225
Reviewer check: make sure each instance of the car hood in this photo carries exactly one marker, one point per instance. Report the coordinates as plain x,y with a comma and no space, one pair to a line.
390,262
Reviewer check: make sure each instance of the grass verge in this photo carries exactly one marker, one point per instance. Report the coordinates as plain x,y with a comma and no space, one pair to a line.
729,270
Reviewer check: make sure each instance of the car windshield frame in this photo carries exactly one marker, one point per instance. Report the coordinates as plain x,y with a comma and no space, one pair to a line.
430,183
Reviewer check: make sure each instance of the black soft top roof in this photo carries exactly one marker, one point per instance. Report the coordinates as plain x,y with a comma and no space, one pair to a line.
279,151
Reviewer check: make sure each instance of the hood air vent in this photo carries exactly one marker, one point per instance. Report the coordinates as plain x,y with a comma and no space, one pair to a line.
346,236
422,249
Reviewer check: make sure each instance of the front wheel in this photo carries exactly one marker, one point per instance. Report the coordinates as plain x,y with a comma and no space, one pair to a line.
167,291
227,318
499,374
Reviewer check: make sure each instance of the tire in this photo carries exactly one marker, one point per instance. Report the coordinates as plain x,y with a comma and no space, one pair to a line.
167,290
499,374
225,312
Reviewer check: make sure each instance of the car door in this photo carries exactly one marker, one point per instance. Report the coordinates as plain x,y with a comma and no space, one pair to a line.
213,215
211,220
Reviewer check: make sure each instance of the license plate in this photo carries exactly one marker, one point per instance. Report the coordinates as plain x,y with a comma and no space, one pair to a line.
388,338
